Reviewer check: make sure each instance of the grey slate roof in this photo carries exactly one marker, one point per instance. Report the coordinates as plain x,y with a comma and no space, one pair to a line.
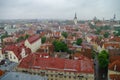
21,76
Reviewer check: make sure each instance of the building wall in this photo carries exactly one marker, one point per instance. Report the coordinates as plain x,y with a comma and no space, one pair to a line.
1,55
34,46
88,39
11,56
59,75
23,54
113,72
75,21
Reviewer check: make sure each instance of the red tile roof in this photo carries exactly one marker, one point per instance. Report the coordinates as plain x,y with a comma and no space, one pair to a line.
114,45
115,66
117,39
15,49
114,76
114,58
36,62
33,38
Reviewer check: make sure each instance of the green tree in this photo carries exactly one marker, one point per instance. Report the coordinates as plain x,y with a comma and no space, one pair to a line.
60,46
103,60
65,34
43,39
20,38
79,41
93,54
106,34
27,36
4,36
117,32
98,30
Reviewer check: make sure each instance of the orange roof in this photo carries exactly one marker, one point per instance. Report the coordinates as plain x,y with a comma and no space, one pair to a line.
33,38
35,61
115,66
114,45
117,39
15,49
114,77
114,58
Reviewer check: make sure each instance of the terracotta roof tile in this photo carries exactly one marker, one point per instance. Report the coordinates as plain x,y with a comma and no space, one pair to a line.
117,39
33,38
15,49
36,62
115,66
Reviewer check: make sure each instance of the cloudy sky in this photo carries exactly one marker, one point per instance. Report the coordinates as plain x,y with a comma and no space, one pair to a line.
59,9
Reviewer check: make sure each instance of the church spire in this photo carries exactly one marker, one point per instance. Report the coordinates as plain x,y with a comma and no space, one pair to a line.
114,17
75,16
75,19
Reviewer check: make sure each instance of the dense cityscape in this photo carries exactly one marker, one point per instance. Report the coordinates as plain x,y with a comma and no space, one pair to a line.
59,40
60,50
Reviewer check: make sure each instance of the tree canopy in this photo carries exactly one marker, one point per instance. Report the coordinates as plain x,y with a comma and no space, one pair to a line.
117,32
103,58
43,39
4,36
106,34
22,38
60,46
65,34
79,41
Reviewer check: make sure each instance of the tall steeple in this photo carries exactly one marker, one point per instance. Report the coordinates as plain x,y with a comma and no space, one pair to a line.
114,17
75,16
75,19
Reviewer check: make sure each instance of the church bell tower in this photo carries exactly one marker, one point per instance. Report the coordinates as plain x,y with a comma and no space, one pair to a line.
75,19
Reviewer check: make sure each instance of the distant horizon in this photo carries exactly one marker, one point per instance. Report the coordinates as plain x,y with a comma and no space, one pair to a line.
59,9
59,19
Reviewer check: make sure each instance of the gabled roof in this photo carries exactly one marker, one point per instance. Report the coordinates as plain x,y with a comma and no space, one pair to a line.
17,50
33,38
36,62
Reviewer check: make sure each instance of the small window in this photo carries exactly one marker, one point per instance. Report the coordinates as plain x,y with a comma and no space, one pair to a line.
55,75
51,75
74,77
10,56
65,76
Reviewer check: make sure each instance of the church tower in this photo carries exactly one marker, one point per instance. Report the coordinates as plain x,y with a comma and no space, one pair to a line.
114,17
75,19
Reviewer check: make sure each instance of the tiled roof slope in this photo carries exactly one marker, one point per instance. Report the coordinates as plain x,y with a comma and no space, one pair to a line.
36,62
33,38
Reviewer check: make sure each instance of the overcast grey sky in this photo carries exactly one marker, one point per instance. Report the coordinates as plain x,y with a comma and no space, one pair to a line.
59,9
